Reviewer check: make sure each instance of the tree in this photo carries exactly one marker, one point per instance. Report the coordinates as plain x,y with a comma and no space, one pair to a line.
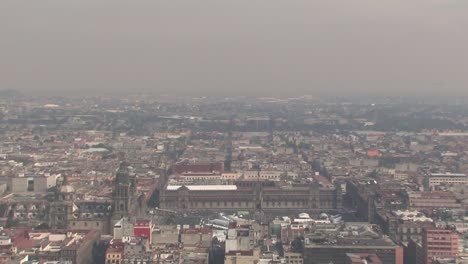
372,174
170,219
297,245
279,248
42,226
99,252
305,145
11,221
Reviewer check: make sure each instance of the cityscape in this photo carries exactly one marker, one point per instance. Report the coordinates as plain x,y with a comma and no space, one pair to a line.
171,179
234,132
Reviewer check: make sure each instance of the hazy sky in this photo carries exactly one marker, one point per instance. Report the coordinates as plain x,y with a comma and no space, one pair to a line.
236,47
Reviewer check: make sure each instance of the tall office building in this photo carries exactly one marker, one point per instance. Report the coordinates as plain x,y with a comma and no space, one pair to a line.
439,243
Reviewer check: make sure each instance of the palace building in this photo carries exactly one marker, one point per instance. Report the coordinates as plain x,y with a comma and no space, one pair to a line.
252,196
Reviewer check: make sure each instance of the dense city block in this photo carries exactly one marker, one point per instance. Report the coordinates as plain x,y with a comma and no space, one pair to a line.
161,179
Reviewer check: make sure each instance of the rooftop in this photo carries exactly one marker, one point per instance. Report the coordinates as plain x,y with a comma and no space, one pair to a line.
203,187
354,243
447,174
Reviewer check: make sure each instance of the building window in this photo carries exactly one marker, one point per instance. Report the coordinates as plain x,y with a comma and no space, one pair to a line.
30,185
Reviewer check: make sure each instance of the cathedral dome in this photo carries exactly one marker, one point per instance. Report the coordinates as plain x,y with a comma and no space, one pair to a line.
67,189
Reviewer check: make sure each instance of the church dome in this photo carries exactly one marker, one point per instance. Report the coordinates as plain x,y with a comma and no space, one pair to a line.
67,189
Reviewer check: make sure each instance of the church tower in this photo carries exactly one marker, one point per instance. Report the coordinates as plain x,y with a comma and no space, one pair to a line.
123,193
61,209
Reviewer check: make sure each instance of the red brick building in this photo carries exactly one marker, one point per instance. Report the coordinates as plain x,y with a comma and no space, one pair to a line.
439,243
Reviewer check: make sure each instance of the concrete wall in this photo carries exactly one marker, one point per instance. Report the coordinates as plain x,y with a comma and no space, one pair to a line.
20,184
40,184
51,181
101,225
126,229
167,234
3,188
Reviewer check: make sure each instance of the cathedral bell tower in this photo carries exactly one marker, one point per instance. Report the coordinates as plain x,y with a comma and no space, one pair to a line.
61,209
124,189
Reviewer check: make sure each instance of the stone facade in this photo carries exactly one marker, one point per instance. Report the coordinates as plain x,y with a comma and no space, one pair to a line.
269,198
66,211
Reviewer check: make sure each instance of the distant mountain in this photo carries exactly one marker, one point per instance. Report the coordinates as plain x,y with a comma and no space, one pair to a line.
8,93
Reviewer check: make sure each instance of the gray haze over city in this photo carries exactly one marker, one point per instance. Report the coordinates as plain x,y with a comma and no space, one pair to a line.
258,48
229,132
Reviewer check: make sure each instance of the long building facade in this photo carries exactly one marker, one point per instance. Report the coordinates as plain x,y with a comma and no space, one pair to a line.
255,196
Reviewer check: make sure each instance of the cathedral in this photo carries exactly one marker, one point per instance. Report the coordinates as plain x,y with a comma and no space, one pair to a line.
123,196
69,212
